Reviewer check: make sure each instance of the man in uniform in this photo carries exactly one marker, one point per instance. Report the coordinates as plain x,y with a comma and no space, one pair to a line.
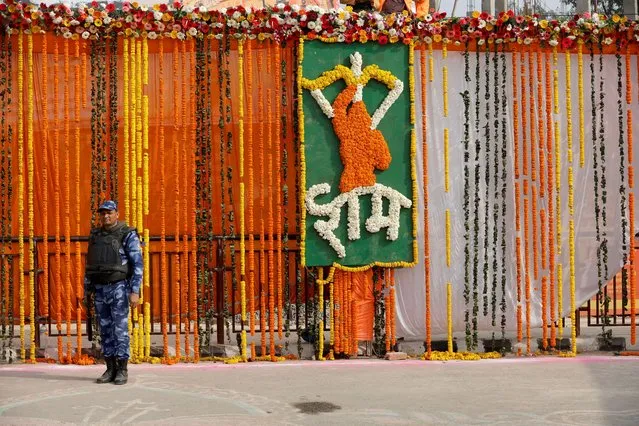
114,274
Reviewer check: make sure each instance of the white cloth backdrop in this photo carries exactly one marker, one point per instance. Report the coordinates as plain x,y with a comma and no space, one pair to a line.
410,299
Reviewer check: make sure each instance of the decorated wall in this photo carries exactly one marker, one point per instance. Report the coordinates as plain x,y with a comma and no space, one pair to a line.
361,176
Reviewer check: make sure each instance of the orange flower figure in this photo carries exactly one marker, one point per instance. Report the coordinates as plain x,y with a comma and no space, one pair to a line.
362,149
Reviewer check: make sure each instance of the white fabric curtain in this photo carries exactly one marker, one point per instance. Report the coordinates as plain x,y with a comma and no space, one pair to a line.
410,300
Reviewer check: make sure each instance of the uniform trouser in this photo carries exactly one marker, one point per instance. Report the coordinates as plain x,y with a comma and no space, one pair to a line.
112,308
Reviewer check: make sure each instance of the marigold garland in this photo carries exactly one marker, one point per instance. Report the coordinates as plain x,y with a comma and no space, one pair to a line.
280,142
515,116
187,119
67,198
125,113
446,163
20,120
534,231
320,337
550,199
422,70
449,317
270,208
78,254
527,272
250,198
525,108
544,314
133,134
240,66
177,103
45,176
262,190
302,159
56,199
431,63
30,191
448,238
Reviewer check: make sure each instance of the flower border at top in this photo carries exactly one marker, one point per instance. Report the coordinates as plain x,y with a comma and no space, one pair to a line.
285,22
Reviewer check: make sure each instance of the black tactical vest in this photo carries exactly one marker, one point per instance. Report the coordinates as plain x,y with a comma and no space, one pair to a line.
104,264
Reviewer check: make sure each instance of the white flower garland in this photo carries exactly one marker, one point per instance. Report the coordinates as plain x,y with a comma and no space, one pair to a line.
387,103
374,223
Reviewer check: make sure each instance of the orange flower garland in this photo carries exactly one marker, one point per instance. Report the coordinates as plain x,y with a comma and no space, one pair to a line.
525,108
544,318
176,155
422,70
262,180
320,290
388,310
45,176
631,204
33,324
269,207
515,115
78,254
541,127
250,192
184,294
531,110
56,200
193,254
67,197
543,237
527,261
278,190
534,232
21,187
550,199
240,66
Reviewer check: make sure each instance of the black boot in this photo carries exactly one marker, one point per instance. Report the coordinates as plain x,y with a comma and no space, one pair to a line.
122,374
109,374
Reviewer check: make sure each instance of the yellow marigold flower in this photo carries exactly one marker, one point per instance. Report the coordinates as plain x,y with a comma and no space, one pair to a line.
437,38
97,22
476,14
128,32
543,24
489,27
394,39
616,18
166,17
363,38
135,4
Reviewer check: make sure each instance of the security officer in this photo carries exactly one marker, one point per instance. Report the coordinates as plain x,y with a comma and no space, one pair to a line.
114,273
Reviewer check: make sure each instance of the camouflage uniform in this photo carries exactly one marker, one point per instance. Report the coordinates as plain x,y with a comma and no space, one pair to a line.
112,300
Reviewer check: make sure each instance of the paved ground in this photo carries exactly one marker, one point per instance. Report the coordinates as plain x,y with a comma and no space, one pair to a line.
588,390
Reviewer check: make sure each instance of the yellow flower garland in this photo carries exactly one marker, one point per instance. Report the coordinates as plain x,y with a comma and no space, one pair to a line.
125,112
240,65
33,324
448,239
300,115
431,63
320,289
138,104
133,132
449,315
446,161
21,188
571,207
460,356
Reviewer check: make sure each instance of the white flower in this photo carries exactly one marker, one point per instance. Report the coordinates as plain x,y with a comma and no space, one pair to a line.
188,9
85,35
128,18
157,15
428,18
152,35
180,36
341,38
203,9
57,20
428,40
553,42
481,42
67,34
608,41
192,32
89,19
311,25
527,40
360,22
245,24
280,6
392,32
144,8
236,15
74,22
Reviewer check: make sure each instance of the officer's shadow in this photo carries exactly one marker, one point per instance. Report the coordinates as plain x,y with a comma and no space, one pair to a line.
39,375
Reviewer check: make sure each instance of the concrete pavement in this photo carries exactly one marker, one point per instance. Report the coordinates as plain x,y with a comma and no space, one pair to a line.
587,390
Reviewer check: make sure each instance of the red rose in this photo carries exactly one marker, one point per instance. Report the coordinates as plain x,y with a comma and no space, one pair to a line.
382,38
177,4
110,7
163,8
483,16
567,43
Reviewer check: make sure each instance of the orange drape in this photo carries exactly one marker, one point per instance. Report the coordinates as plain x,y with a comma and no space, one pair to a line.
167,121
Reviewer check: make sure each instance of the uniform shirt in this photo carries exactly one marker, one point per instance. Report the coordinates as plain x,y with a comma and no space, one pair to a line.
130,251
